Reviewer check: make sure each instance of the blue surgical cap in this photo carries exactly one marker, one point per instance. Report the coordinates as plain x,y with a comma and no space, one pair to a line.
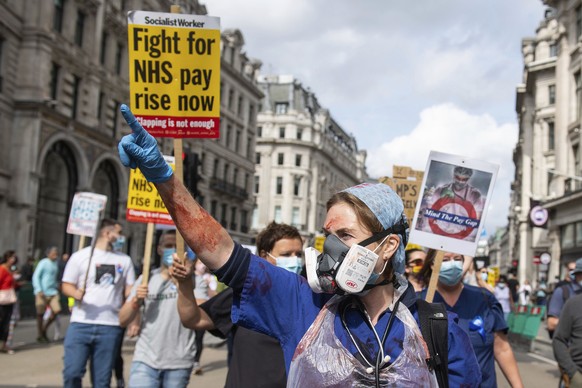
388,209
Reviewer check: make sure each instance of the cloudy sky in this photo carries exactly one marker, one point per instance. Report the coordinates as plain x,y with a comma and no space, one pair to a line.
405,77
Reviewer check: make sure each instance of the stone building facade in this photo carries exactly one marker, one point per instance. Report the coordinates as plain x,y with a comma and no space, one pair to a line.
546,204
63,74
302,157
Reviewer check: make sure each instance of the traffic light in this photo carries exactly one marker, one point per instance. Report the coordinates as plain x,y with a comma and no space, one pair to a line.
191,175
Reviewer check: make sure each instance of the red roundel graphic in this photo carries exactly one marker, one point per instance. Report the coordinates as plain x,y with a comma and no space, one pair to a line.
452,206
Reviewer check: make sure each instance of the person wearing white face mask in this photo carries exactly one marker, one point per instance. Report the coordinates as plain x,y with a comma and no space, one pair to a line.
158,360
479,314
257,359
503,295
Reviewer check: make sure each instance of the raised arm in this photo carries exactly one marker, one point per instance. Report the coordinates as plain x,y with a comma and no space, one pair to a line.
201,232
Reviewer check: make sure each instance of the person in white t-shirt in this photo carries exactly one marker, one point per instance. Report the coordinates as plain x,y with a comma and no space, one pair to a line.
99,285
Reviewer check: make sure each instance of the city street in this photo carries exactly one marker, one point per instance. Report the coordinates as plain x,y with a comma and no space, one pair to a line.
36,365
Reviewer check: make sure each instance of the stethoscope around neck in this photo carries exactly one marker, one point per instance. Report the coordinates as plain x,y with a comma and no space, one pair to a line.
382,359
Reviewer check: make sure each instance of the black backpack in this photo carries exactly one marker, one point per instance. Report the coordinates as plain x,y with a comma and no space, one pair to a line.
434,326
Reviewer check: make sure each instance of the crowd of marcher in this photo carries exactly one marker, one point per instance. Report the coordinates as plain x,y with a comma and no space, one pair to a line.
289,315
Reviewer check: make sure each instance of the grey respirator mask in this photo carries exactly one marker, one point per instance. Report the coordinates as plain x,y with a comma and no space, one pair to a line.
347,270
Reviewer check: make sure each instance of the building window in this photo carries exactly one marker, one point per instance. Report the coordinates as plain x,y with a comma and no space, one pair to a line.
115,117
552,94
279,185
255,216
578,22
575,151
221,93
58,15
281,132
213,208
79,28
1,67
249,147
257,157
237,144
280,159
579,234
226,171
103,53
239,106
233,225
567,236
118,58
235,176
75,97
299,133
247,182
257,184
244,225
578,81
298,160
251,117
228,135
278,215
551,136
553,49
281,108
54,86
215,169
296,186
230,98
223,210
295,219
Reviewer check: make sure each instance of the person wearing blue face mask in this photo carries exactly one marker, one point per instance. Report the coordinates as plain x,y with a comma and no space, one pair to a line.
257,359
158,360
479,314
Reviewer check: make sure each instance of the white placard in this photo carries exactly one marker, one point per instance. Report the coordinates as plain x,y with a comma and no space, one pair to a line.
84,215
452,206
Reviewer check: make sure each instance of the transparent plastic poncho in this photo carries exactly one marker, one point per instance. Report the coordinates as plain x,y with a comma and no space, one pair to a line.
321,360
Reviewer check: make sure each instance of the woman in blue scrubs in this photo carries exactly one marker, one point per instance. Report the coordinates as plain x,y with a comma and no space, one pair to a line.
356,339
480,315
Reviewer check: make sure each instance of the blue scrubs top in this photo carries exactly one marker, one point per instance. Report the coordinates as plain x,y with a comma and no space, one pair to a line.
281,304
473,302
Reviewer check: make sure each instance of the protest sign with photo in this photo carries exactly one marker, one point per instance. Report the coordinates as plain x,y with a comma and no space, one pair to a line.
455,194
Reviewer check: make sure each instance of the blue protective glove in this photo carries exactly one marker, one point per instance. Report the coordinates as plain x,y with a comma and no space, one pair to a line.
140,149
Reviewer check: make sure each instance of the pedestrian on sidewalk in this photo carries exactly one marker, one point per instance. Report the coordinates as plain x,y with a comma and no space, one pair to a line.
45,283
570,286
7,297
164,351
99,281
567,342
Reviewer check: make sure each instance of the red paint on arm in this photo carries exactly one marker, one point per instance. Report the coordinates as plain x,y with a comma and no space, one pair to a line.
200,231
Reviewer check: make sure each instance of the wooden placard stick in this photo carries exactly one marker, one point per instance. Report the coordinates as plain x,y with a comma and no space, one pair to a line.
434,277
147,254
81,242
179,169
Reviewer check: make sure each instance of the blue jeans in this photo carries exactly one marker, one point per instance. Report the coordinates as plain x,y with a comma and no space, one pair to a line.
84,341
144,376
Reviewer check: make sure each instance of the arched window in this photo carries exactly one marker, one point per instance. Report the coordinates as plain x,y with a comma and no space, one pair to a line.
106,182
